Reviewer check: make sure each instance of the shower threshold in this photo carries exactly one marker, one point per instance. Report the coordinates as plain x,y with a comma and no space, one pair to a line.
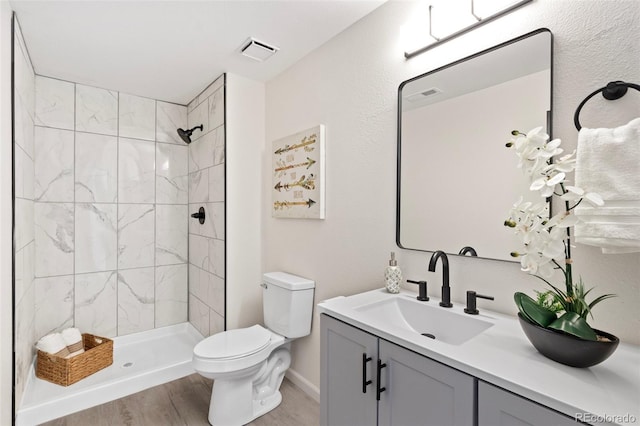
140,361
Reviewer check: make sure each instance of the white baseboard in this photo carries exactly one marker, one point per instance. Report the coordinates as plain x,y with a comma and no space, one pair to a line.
307,387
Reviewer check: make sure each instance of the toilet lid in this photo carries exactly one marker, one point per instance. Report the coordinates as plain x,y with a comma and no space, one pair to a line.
234,343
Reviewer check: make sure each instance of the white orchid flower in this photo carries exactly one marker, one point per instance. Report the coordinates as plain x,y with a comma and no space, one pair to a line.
594,198
547,184
536,137
550,149
536,264
546,268
563,220
552,244
566,163
545,239
527,218
528,148
574,193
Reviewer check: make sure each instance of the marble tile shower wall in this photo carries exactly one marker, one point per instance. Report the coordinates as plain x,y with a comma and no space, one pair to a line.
24,255
207,189
111,210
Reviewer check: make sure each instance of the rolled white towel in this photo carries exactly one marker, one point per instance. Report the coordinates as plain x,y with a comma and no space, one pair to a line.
53,344
73,340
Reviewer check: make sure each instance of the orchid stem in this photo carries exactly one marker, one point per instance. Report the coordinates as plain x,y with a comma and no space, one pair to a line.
576,205
567,271
559,267
548,283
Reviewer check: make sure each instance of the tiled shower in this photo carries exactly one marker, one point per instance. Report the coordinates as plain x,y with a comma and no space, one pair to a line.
23,182
104,191
111,242
207,189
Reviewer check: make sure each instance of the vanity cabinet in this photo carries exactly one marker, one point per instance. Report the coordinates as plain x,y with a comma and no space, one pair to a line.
346,397
366,380
497,406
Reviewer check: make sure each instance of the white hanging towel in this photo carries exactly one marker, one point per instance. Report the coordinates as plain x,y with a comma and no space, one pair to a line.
608,163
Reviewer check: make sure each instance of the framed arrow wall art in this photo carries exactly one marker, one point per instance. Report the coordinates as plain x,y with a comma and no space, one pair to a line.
298,175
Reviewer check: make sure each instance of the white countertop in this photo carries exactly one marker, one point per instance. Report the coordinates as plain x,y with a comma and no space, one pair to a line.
503,356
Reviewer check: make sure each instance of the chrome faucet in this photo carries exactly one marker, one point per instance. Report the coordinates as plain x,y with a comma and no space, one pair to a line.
446,290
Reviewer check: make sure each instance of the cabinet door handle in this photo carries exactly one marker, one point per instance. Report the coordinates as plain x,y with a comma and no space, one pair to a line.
379,389
365,382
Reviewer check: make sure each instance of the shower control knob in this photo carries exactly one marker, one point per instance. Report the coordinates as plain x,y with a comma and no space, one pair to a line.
199,215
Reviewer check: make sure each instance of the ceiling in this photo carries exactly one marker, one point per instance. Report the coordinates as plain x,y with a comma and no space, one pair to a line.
171,50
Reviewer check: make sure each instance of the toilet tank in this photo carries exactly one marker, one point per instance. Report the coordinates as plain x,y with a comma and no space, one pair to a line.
288,303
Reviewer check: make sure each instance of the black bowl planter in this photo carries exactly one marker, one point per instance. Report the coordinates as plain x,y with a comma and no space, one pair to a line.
567,349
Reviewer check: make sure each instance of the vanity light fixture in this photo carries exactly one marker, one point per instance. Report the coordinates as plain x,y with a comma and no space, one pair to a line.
479,22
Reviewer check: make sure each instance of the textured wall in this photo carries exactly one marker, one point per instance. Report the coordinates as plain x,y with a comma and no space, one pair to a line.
207,189
350,85
245,147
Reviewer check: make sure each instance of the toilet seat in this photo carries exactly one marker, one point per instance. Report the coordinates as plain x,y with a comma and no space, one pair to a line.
235,351
234,344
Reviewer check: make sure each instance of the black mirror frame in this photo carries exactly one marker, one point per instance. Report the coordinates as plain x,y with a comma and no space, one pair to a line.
399,125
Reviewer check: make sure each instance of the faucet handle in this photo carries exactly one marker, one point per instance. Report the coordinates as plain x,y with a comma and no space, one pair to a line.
471,308
422,290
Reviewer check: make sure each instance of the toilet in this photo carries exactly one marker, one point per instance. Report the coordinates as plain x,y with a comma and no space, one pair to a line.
248,364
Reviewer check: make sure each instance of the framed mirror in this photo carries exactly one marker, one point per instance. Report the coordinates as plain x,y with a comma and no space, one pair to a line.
456,179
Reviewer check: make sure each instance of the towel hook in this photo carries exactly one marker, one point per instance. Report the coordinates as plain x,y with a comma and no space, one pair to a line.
612,91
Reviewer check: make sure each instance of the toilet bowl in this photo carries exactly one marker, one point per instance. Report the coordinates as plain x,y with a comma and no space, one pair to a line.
247,365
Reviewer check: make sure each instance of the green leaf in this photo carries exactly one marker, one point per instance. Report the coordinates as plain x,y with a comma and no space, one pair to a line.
600,299
574,324
532,311
517,296
595,301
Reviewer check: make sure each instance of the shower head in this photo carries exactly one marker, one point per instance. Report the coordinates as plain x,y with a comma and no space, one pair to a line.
185,135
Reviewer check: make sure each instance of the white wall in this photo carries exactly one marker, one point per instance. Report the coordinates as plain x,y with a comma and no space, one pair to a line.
6,246
245,148
350,85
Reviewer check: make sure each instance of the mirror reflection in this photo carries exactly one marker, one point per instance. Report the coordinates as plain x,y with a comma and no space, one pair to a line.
456,179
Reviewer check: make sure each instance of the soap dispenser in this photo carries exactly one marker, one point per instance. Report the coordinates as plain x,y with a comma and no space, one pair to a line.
392,275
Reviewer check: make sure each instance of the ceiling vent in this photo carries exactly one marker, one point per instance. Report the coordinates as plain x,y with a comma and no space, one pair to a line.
424,94
258,50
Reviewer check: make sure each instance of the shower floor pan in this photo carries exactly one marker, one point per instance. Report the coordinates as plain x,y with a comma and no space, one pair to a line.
140,361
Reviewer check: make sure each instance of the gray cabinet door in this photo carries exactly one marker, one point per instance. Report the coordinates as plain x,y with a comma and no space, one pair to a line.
342,400
420,391
497,407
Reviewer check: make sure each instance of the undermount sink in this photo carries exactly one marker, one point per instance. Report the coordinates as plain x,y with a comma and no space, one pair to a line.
429,320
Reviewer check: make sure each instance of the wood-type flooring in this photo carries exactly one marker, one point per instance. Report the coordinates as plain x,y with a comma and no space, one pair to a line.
186,402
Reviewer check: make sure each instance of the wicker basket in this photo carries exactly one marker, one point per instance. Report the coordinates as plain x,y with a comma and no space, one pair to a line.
98,354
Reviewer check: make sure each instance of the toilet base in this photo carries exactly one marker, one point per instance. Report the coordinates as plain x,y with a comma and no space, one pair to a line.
264,406
240,400
231,417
